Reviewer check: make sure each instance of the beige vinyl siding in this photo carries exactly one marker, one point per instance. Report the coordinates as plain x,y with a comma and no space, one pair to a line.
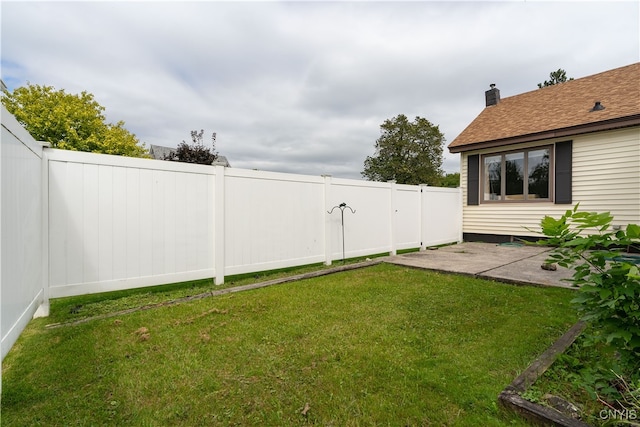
605,174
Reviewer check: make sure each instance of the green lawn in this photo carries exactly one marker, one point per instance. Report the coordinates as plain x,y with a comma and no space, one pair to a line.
385,345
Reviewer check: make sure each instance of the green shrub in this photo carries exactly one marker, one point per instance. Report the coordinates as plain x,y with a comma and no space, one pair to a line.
609,281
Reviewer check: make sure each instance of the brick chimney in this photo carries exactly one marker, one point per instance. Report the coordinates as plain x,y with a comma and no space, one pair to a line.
492,96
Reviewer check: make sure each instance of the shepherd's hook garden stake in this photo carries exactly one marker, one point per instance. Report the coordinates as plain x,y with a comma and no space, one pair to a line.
342,206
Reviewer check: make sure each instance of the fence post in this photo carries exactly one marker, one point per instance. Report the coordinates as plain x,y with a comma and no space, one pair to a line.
219,221
327,220
392,232
43,310
423,194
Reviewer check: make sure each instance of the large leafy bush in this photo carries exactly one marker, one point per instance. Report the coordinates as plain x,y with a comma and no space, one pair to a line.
605,271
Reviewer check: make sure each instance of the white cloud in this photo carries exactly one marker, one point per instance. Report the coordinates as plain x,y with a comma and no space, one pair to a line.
303,87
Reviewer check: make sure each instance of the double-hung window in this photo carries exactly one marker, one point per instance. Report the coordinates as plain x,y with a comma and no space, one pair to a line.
522,175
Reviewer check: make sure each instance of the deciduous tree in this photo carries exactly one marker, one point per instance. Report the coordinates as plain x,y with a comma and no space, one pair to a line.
71,122
196,152
407,152
451,180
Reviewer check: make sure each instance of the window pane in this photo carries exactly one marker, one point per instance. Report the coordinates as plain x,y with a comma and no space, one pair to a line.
492,172
538,162
514,171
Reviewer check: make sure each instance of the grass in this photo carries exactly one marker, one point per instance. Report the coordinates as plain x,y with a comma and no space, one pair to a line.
385,345
76,308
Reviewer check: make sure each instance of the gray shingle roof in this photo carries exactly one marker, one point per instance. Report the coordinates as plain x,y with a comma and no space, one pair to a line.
159,152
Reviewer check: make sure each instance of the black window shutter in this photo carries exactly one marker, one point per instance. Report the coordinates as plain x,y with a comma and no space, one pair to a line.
563,172
473,179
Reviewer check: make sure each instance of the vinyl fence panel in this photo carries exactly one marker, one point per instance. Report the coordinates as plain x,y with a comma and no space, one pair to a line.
272,220
368,230
118,223
407,211
441,215
21,244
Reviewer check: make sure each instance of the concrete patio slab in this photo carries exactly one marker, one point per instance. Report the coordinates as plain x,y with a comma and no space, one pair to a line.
520,264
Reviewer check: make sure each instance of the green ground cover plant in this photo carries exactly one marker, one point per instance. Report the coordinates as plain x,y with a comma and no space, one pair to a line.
383,345
592,378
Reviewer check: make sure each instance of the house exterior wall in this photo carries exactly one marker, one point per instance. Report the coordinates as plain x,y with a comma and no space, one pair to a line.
605,178
606,174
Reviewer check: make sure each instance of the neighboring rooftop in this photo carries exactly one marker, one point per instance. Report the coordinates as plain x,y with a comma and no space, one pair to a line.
159,152
556,111
222,161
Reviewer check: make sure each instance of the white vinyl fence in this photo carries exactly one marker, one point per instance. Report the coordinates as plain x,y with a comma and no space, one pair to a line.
118,223
21,246
75,223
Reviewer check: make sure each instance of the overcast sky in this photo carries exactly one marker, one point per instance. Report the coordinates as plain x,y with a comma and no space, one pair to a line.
303,87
